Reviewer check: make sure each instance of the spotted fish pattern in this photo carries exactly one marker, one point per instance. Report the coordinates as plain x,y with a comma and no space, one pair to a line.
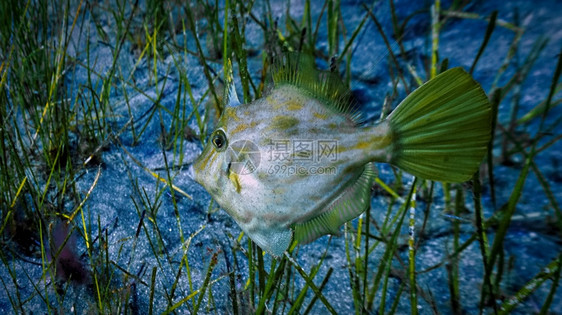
295,164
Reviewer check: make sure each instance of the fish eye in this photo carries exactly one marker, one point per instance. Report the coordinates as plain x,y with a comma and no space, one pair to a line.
219,140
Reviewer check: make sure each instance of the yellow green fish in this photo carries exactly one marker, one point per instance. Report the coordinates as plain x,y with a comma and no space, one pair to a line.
295,164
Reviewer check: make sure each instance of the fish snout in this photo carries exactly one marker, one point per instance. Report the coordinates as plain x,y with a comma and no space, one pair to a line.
195,171
191,173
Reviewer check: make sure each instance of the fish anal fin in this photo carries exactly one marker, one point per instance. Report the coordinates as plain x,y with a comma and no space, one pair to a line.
353,201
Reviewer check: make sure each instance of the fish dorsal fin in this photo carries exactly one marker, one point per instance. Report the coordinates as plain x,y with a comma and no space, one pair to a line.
299,70
353,201
231,97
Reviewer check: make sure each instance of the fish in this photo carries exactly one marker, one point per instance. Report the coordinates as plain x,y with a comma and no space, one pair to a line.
297,163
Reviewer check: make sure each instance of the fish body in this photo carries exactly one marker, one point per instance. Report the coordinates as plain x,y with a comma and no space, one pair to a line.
296,165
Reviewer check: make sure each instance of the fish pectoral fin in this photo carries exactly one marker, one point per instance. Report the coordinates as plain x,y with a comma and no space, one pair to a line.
273,240
353,201
235,180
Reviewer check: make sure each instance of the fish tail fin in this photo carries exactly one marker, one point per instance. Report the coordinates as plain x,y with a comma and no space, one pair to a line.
441,130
